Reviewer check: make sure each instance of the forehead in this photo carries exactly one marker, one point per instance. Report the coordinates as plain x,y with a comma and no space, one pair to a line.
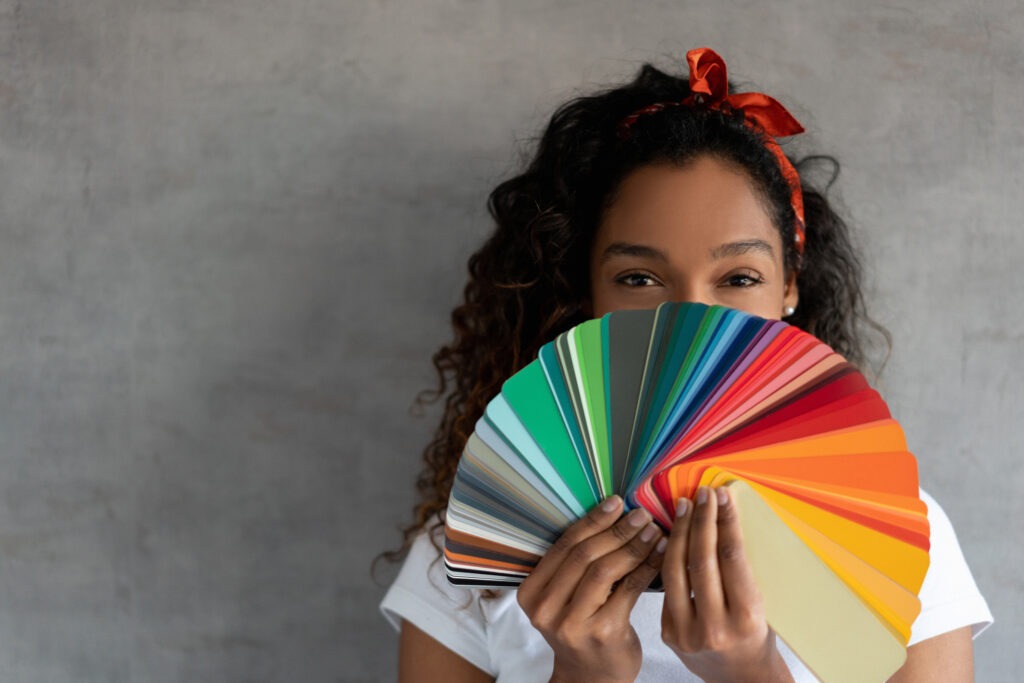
689,208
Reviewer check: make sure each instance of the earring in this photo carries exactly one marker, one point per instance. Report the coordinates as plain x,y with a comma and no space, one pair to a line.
788,311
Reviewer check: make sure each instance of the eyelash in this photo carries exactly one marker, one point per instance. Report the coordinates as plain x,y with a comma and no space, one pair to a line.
731,281
754,280
624,278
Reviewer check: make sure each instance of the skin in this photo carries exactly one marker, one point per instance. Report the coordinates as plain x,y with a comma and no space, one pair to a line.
698,233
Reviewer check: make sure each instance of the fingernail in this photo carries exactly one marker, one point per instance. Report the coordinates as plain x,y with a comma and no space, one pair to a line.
702,495
637,517
682,506
723,496
648,533
660,548
610,503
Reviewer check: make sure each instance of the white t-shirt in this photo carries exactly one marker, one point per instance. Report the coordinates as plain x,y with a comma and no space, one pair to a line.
495,634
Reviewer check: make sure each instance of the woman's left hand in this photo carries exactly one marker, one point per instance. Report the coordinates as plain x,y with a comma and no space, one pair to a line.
719,633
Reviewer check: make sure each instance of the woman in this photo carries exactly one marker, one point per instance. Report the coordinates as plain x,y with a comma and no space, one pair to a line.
665,189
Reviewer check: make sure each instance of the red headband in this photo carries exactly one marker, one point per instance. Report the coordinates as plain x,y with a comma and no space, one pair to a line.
709,87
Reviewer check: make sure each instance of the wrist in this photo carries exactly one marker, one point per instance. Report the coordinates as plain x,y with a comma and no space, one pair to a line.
766,666
562,674
558,678
774,670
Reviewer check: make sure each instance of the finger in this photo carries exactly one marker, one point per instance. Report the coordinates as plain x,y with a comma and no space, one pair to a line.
673,570
599,519
738,584
579,559
702,559
625,595
601,577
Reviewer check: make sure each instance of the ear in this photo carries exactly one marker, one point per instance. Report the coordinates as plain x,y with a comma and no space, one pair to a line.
791,293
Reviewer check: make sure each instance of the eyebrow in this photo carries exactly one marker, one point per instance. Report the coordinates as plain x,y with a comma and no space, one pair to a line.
720,252
627,249
739,248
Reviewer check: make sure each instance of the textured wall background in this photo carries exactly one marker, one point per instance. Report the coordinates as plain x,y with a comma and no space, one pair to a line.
231,231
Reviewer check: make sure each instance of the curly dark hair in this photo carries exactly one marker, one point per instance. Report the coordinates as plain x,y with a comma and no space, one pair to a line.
530,280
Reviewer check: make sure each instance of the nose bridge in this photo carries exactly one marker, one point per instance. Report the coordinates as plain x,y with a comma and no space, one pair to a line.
691,290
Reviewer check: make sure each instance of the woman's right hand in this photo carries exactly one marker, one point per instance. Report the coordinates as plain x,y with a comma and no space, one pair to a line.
582,591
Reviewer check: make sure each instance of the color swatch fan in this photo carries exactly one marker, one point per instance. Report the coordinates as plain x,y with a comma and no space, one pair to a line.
653,404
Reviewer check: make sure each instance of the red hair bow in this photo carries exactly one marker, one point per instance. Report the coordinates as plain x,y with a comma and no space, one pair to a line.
709,87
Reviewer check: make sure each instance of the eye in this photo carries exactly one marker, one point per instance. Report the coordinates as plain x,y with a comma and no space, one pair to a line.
743,280
637,279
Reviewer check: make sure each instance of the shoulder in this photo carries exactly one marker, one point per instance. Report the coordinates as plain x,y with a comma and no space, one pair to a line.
949,596
422,580
449,614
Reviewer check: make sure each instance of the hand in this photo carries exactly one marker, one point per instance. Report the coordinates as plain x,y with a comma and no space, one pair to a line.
719,633
581,593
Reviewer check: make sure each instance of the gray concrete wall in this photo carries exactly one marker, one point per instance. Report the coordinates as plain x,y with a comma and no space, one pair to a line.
230,234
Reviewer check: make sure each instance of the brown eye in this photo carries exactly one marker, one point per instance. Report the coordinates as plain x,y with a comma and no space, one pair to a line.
743,280
637,280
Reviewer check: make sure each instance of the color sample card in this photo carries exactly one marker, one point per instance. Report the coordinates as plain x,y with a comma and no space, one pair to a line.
653,404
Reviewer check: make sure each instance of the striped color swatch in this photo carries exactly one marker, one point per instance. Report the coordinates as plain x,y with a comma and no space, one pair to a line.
651,404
